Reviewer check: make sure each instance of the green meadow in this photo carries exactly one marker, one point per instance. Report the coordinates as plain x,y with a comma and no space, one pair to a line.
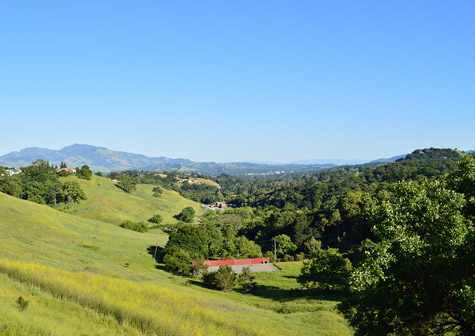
87,277
105,202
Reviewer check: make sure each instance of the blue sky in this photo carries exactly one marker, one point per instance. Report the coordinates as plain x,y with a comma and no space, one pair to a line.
238,80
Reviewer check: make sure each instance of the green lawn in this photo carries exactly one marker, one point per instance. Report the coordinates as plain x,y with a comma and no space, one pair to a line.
105,202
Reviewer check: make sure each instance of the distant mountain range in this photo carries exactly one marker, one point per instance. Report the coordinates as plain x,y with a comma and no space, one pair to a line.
391,159
107,160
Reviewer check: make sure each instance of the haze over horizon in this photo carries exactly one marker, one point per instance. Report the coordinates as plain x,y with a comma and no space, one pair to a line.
247,81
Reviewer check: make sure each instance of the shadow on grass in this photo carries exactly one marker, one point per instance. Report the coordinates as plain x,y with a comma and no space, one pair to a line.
282,295
155,251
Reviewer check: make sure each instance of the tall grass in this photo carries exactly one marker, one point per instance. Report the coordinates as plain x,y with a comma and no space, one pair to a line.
151,309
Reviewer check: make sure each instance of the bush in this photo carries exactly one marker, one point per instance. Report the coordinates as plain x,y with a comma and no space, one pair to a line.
300,256
177,260
139,227
208,279
198,269
312,246
157,192
328,269
157,219
223,279
186,215
246,280
270,255
84,173
288,257
22,303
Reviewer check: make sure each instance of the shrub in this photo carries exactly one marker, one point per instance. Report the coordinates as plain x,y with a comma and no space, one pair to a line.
157,219
139,227
84,173
157,192
208,279
223,279
246,280
300,256
198,269
270,255
186,215
288,257
312,246
22,303
328,269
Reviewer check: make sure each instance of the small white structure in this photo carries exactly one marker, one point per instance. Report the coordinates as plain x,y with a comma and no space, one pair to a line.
11,172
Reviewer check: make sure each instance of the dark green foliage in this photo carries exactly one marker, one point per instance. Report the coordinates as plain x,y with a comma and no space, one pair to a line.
71,191
202,193
186,215
157,219
245,248
246,279
284,244
126,183
11,186
328,269
157,192
177,260
270,255
462,180
198,269
99,174
223,279
433,153
139,227
300,256
191,239
39,183
417,278
84,172
312,247
22,304
287,257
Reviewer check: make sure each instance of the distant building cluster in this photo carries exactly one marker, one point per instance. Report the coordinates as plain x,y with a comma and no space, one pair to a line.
11,172
217,206
67,170
182,180
275,172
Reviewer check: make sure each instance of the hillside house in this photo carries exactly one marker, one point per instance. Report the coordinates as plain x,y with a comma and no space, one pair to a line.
11,172
67,170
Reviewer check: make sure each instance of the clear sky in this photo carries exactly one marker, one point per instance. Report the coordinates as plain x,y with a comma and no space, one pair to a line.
238,80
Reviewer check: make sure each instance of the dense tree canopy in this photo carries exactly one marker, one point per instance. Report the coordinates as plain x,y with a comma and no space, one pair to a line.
417,278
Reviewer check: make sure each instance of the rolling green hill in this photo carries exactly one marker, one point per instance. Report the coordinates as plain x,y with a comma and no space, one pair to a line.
87,277
107,203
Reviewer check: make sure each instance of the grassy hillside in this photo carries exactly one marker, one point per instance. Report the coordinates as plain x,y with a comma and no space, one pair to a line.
105,202
100,280
208,181
37,232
